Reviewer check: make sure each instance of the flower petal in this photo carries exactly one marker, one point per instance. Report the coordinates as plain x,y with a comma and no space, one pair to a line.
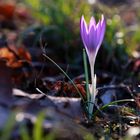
84,31
102,30
92,35
92,39
98,32
92,23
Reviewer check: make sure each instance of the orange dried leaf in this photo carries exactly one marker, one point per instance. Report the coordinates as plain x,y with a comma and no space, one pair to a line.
69,89
14,57
24,54
7,11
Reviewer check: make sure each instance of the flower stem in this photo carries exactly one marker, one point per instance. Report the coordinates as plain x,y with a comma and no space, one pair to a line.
92,87
86,78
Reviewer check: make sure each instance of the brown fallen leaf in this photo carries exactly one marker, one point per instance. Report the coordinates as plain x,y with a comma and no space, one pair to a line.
15,57
7,11
69,89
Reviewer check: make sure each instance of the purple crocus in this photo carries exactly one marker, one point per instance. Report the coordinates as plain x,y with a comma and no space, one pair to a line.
92,34
92,37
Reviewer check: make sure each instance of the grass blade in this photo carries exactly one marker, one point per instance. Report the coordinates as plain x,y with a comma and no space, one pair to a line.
38,129
24,133
7,130
112,103
64,74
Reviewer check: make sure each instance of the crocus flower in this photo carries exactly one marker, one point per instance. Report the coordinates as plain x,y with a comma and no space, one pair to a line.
92,37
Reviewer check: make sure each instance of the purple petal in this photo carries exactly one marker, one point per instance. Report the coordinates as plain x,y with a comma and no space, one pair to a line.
84,31
92,39
98,32
92,35
92,23
102,30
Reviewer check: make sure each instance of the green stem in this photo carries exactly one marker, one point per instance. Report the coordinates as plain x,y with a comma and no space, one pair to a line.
86,74
86,78
93,86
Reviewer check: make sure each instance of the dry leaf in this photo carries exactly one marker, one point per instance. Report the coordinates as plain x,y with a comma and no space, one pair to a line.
15,56
7,11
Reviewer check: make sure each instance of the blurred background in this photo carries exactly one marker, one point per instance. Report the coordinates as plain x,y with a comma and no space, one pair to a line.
28,26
